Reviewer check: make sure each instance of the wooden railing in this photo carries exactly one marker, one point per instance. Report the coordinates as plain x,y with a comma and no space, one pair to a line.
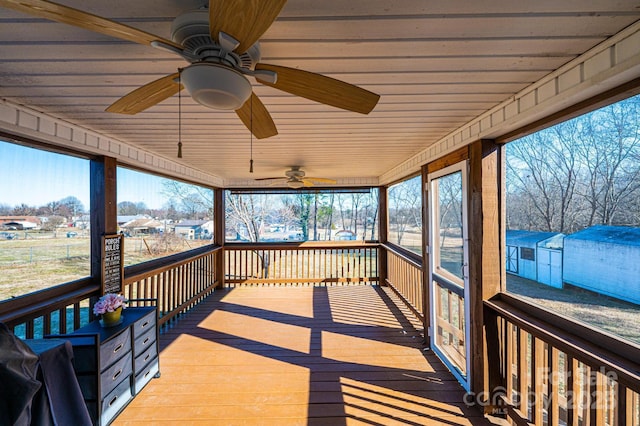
555,371
176,287
175,283
404,276
300,264
57,310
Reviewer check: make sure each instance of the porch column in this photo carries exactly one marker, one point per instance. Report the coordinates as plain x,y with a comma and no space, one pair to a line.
383,232
485,258
218,234
426,278
103,207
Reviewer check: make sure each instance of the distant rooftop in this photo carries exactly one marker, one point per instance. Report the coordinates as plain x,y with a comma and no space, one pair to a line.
609,234
519,237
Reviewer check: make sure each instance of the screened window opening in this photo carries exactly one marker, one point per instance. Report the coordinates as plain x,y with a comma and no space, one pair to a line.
572,203
44,219
159,216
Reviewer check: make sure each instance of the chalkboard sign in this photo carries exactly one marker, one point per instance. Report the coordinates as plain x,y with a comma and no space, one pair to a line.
112,263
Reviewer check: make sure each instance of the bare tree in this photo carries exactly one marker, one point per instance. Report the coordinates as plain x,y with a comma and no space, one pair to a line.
23,210
449,206
405,206
246,213
191,200
578,173
73,204
542,167
610,146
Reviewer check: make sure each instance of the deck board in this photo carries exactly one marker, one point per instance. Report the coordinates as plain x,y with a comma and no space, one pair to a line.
345,355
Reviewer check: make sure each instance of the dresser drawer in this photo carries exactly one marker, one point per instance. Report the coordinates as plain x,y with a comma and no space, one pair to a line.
145,376
148,322
113,376
144,358
144,341
115,400
113,349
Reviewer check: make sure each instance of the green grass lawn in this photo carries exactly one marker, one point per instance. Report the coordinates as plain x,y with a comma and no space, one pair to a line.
42,260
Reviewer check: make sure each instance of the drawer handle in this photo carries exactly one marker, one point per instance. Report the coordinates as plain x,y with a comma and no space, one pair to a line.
117,348
147,373
113,401
147,357
146,323
145,341
115,376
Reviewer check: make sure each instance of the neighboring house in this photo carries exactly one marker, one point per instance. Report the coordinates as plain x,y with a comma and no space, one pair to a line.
535,255
142,226
82,222
604,259
190,229
19,222
122,219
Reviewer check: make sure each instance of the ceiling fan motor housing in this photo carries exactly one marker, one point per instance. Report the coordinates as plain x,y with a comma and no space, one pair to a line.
294,173
215,80
191,30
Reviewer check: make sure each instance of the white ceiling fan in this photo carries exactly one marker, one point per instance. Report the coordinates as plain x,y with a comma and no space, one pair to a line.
296,178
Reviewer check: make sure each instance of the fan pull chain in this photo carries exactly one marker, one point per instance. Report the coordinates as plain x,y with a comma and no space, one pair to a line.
251,133
180,114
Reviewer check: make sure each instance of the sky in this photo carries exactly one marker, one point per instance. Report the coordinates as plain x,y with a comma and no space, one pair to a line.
35,177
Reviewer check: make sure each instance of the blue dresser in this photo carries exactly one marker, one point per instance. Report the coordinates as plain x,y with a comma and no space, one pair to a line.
113,364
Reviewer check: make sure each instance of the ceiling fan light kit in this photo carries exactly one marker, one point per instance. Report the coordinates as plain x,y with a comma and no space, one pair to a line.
216,86
295,184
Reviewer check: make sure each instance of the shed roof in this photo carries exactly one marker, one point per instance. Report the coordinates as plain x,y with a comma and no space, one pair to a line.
190,223
621,235
522,238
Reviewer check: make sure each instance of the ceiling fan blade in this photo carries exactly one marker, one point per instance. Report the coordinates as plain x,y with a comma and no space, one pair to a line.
306,182
147,96
321,180
272,178
320,88
262,126
68,15
244,20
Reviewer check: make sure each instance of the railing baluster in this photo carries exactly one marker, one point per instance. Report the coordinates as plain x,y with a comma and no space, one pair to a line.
584,382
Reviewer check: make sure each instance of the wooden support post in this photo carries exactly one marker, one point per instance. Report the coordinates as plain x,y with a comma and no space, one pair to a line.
426,311
219,232
383,233
484,262
104,208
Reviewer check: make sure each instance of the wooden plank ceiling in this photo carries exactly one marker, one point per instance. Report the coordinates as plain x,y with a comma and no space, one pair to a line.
435,64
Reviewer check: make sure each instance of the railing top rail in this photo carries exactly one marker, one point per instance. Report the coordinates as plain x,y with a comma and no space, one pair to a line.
46,301
580,347
302,245
133,275
412,258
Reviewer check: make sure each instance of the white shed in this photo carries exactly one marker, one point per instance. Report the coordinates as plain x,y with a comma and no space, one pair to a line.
604,259
535,255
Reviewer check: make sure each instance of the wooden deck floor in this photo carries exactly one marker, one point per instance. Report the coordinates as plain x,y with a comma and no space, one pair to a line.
299,356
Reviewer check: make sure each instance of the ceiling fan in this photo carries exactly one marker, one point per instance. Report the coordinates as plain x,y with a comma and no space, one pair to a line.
295,179
221,45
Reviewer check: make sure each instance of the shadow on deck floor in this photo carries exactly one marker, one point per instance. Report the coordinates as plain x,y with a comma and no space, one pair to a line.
299,356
